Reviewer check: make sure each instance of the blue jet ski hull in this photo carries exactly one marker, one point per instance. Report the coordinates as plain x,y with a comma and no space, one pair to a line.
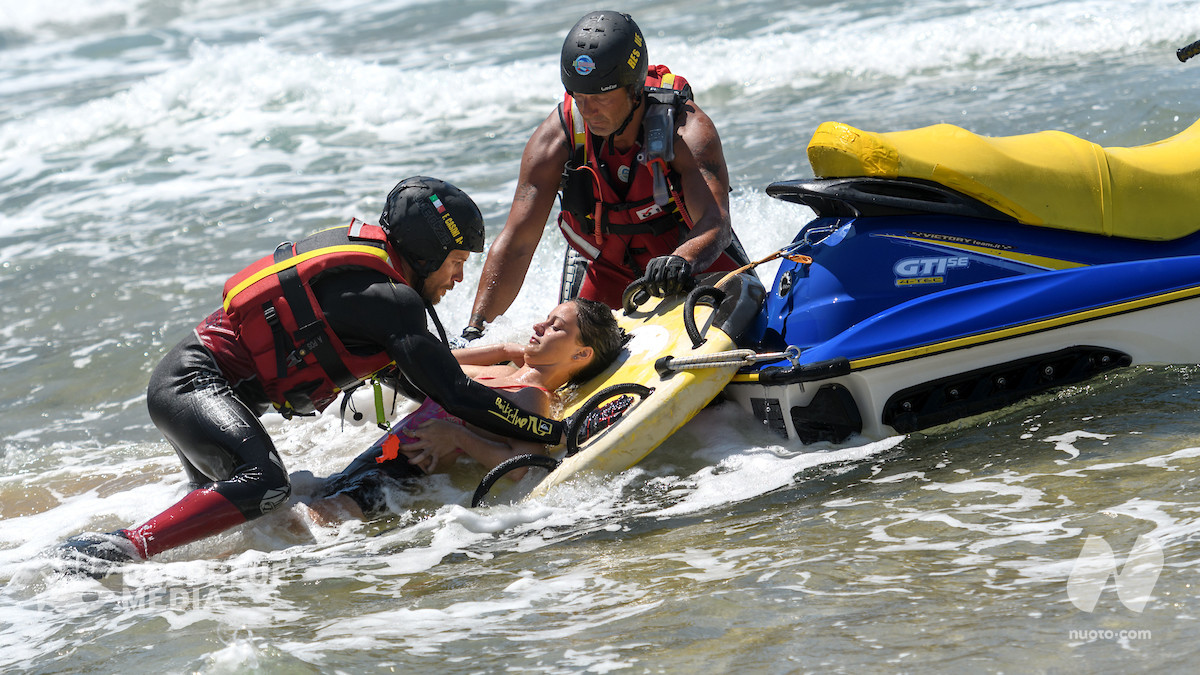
921,307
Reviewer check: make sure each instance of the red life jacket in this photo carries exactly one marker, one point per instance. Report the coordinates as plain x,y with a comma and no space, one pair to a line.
299,361
589,199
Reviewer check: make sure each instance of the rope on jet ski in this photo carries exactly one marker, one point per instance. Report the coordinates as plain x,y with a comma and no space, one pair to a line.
785,252
734,357
636,293
716,295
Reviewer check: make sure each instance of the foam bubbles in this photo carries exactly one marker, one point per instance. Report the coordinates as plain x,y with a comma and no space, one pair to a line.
150,149
927,41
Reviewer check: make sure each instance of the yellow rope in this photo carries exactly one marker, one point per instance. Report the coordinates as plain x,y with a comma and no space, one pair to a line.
781,253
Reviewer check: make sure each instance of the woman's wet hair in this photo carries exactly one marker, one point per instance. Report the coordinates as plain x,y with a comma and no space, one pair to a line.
598,329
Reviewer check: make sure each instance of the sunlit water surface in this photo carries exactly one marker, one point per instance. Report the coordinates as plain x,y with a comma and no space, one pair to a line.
148,150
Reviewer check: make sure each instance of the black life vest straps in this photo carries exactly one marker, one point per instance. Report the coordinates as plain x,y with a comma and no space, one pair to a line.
310,336
579,186
283,346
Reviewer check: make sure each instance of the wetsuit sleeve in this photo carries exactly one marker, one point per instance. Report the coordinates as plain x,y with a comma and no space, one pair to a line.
367,312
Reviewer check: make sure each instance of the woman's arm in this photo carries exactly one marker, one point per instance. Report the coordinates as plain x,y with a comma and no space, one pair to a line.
490,355
437,445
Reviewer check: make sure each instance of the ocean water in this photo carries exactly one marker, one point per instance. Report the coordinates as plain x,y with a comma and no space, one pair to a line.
151,148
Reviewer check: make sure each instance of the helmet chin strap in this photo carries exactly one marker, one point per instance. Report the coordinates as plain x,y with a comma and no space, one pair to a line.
436,321
628,118
418,285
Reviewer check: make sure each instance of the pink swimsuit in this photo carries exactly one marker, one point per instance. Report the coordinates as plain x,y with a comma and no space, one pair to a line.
392,440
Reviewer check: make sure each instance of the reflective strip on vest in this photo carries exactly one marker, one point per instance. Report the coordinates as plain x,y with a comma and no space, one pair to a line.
580,131
581,244
296,260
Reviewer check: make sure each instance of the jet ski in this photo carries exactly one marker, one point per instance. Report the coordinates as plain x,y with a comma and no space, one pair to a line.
947,274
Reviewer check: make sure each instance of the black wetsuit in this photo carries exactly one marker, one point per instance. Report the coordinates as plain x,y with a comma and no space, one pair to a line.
367,480
213,422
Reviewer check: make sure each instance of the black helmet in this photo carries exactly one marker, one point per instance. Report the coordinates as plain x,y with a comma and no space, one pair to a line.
604,51
426,218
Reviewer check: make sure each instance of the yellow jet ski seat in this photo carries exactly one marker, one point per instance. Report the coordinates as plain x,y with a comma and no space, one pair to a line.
1049,178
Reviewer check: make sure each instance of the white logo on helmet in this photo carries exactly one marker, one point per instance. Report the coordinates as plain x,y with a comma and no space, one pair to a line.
584,64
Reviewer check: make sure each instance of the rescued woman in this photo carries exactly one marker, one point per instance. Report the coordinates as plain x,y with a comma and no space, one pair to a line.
576,341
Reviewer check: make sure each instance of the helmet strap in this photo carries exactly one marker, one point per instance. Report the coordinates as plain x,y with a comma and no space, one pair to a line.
628,118
436,321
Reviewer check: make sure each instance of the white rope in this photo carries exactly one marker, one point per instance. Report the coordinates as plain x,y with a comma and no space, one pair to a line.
735,357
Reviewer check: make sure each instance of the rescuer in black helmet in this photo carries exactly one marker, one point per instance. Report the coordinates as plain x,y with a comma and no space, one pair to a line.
644,187
425,219
295,329
602,52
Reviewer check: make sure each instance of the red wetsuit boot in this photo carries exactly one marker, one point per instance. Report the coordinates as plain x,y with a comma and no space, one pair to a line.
200,514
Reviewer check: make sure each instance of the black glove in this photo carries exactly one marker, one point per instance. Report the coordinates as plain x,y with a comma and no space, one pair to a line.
469,334
668,275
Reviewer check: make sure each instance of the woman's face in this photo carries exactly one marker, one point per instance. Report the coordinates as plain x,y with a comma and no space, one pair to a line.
556,340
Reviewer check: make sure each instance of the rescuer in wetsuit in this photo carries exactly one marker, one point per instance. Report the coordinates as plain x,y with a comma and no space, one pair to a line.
294,330
596,149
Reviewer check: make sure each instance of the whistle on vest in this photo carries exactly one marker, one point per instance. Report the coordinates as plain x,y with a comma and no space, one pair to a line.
659,138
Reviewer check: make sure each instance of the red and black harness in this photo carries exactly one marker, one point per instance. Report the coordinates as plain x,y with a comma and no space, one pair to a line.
299,360
591,207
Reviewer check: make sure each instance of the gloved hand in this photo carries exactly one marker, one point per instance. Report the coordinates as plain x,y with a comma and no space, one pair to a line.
668,275
469,333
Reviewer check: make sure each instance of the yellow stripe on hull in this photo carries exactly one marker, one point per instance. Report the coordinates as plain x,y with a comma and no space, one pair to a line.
1011,332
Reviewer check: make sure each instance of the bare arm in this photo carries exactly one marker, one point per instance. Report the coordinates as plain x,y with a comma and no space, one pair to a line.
367,310
487,355
704,181
508,258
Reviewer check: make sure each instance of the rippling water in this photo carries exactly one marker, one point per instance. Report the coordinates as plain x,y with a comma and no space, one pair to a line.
149,149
